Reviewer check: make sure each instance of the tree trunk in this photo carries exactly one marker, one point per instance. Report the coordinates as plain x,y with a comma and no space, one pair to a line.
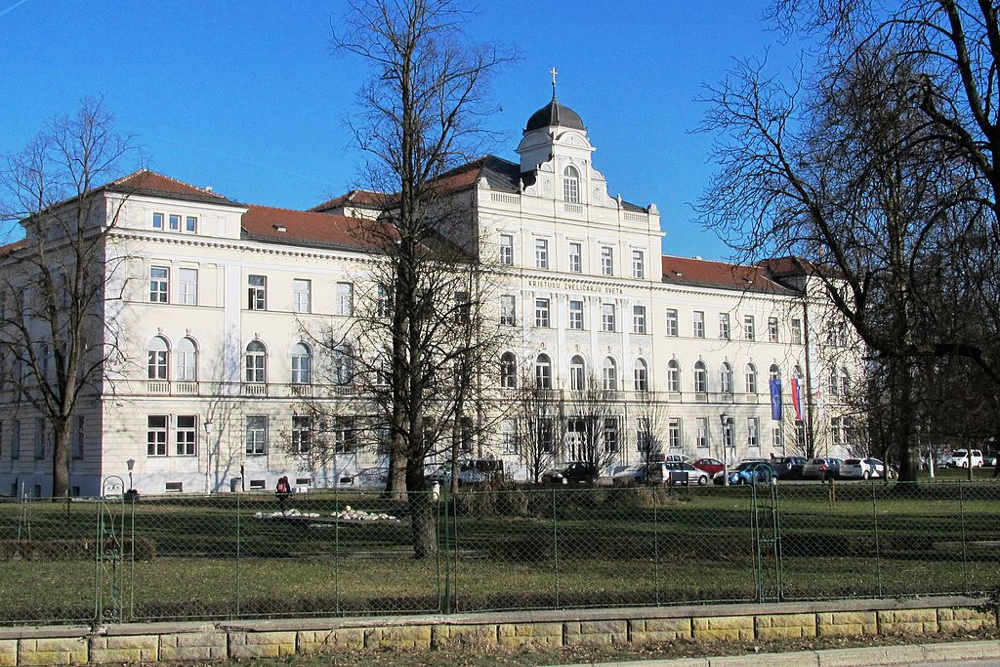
423,513
396,484
60,458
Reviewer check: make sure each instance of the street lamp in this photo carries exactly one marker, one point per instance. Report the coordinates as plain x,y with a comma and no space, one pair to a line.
724,418
131,464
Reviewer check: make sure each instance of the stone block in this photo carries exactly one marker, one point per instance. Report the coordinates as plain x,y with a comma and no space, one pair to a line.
186,646
325,641
126,648
8,652
907,621
596,633
55,651
645,630
772,626
965,619
846,624
516,635
723,627
261,644
399,636
464,636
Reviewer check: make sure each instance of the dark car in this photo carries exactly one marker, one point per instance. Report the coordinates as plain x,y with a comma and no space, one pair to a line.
788,467
750,472
822,469
576,472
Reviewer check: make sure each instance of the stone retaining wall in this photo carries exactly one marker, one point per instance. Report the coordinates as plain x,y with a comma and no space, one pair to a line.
134,643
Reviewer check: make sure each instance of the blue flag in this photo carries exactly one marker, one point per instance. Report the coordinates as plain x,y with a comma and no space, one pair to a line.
776,399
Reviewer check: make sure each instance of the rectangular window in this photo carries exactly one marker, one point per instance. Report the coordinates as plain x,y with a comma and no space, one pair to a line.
542,313
639,319
159,284
607,317
638,265
78,438
698,324
506,249
545,434
748,329
576,257
345,435
778,439
702,442
753,432
301,295
576,314
642,434
156,435
463,308
39,438
508,310
187,291
186,435
611,434
835,430
541,253
15,439
301,433
256,439
175,222
257,293
797,331
607,261
725,333
191,224
383,307
674,433
157,221
345,299
772,329
672,329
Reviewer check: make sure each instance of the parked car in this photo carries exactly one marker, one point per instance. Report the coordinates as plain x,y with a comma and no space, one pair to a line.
675,458
960,458
709,465
642,473
821,468
990,459
679,473
749,472
862,468
468,474
788,467
575,472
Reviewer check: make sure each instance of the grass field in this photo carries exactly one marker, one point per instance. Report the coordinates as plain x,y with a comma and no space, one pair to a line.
549,548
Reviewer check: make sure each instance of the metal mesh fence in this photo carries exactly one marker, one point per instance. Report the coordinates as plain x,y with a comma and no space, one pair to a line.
339,553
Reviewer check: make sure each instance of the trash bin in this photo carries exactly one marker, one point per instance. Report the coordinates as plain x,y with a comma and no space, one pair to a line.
679,477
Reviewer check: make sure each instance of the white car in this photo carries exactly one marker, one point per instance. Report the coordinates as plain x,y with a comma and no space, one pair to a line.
862,468
960,458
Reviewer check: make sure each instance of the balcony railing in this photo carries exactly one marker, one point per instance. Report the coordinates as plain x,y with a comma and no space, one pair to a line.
158,387
254,389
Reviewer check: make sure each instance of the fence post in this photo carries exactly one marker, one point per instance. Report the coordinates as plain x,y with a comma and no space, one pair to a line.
238,545
454,560
555,544
336,548
656,547
965,542
878,559
447,560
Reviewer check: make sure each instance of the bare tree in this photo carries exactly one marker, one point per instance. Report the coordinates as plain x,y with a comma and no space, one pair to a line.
58,332
594,429
537,415
652,422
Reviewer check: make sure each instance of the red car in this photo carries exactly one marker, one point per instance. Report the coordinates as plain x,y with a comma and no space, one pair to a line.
711,466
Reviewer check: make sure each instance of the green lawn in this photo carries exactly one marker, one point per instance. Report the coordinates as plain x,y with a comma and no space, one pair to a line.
521,549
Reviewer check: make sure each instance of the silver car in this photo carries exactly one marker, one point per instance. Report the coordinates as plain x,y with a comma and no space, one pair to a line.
862,468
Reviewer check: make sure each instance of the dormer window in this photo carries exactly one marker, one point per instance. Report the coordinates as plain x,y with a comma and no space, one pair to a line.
571,185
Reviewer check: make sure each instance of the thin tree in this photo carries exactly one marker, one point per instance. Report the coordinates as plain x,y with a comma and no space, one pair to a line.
594,426
62,283
537,415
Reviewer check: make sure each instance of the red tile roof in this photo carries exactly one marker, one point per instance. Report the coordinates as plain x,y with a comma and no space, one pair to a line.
360,198
704,273
145,181
11,247
265,223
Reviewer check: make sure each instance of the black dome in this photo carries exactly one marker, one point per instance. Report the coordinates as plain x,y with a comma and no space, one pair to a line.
554,113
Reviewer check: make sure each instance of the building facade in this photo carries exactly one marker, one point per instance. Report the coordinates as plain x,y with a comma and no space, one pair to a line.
217,298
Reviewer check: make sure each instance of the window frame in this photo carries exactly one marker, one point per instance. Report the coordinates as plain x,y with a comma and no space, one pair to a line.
253,446
157,447
725,327
608,317
638,264
159,286
256,294
639,320
186,437
571,185
576,257
301,291
543,312
749,328
576,318
541,253
607,260
257,372
506,249
698,324
672,323
508,316
185,295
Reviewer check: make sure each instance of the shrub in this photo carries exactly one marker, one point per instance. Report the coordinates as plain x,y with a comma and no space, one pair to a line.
80,549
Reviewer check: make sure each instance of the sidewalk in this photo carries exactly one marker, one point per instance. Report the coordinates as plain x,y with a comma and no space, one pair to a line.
874,655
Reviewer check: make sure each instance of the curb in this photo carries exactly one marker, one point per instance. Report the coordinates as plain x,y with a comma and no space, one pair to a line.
841,657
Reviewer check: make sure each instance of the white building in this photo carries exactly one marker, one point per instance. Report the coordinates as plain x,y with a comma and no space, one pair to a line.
216,293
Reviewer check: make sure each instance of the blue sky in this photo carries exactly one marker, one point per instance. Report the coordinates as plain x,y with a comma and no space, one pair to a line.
248,98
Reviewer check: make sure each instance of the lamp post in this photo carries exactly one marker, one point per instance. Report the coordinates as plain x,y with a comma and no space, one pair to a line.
131,464
724,418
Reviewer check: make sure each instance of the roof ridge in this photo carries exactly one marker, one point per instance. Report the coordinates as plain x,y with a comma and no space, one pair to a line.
145,170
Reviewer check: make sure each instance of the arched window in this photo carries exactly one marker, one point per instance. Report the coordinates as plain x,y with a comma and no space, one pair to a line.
641,376
543,372
187,360
700,377
508,370
343,364
609,374
845,381
726,377
301,364
577,374
256,362
774,372
159,355
673,376
571,185
751,379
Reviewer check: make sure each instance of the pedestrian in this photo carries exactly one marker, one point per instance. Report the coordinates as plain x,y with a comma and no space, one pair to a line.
282,490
